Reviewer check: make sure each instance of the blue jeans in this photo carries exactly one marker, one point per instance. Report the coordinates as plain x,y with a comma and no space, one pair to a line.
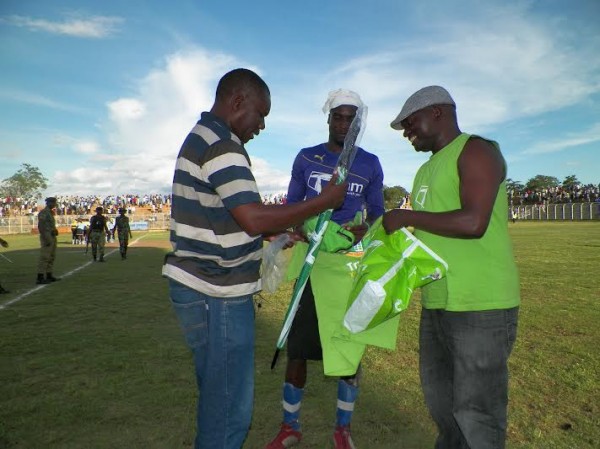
220,333
464,375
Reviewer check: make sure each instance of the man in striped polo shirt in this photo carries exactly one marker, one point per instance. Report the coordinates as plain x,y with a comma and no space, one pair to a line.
217,227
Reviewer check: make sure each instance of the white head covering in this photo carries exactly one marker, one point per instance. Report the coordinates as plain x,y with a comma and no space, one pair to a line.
339,97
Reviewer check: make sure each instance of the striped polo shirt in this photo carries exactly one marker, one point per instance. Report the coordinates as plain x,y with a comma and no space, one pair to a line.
211,252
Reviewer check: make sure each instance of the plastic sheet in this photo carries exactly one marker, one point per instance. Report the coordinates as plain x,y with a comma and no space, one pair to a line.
274,263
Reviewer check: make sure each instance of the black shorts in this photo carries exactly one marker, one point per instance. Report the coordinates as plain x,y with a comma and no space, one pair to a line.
304,341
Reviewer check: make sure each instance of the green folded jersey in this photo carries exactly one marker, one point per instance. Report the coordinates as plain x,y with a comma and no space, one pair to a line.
336,238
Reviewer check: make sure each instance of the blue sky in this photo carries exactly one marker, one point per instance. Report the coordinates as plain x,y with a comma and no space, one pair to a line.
100,95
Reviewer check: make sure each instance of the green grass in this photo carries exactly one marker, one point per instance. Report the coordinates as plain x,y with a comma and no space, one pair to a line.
97,361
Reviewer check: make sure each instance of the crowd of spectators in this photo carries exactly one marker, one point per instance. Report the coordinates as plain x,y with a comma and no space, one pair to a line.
85,205
556,195
160,203
10,207
279,198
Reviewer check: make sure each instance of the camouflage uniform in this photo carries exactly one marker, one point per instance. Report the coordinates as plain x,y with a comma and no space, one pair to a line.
48,234
124,232
4,244
97,234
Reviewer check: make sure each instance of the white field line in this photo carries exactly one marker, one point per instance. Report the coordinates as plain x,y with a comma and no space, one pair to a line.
39,287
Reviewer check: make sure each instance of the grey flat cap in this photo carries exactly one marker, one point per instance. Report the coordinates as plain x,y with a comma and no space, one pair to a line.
428,96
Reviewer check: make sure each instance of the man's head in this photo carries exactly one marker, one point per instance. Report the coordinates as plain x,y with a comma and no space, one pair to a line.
427,117
242,100
99,210
51,202
341,107
121,211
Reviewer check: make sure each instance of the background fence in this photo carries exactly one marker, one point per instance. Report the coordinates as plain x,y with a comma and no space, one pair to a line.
563,211
26,224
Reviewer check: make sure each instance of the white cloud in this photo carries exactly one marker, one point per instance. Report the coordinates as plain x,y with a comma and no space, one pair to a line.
78,145
270,180
86,147
76,25
37,100
145,130
571,140
502,66
126,109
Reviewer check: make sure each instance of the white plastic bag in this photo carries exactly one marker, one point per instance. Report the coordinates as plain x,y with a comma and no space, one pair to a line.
274,264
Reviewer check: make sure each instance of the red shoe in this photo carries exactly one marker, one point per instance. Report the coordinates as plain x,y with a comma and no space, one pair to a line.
342,438
287,437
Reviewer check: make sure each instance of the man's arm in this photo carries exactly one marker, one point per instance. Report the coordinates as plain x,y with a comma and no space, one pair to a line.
258,218
481,170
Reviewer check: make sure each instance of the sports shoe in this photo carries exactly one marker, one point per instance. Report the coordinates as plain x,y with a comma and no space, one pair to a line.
287,437
342,438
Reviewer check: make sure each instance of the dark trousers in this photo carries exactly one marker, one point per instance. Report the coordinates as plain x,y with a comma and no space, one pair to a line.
464,375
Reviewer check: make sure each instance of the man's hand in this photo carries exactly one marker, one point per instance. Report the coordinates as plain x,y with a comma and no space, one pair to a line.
359,231
55,232
395,219
297,235
294,236
334,193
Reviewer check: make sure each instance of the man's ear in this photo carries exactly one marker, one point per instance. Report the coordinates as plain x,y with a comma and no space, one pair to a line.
436,111
237,101
328,118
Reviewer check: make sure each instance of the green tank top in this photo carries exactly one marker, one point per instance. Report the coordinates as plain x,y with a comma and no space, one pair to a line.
482,274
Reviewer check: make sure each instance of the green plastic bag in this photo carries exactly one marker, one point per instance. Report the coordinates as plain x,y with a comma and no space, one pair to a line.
336,238
392,266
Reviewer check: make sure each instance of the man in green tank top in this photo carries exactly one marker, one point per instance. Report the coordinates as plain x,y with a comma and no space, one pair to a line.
469,319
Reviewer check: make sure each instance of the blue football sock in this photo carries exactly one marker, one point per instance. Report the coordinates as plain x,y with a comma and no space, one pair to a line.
292,398
347,395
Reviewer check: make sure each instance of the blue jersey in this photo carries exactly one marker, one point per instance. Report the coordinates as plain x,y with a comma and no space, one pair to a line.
313,168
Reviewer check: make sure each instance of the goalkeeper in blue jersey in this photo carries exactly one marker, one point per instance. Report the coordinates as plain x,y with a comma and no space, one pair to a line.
312,170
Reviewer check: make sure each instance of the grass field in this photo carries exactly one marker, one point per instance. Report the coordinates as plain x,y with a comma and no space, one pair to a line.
97,360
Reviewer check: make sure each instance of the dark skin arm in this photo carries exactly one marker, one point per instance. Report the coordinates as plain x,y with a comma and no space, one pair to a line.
258,218
481,170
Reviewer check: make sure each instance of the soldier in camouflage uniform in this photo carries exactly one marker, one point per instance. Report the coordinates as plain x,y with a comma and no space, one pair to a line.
98,233
123,231
48,234
4,244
